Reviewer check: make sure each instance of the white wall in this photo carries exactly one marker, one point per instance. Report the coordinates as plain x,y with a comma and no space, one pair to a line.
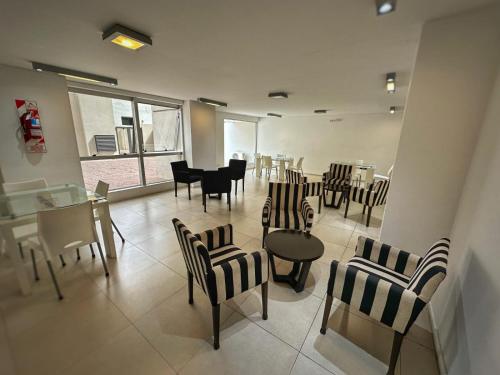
452,80
61,163
239,136
371,137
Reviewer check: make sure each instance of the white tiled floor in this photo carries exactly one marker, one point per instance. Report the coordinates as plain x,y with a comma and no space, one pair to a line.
138,320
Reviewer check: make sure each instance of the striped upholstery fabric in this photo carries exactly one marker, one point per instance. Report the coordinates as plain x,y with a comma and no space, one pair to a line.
375,195
314,189
221,269
287,208
337,176
389,284
295,177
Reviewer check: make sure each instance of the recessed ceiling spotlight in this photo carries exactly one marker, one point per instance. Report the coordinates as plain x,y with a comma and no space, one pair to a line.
274,115
215,103
127,38
392,110
385,6
74,74
278,95
320,110
391,82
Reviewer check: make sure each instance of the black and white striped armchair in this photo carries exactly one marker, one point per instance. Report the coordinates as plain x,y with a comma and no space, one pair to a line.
222,269
295,177
374,195
335,180
390,285
286,207
313,189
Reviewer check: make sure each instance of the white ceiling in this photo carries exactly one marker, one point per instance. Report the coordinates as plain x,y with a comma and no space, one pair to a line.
329,54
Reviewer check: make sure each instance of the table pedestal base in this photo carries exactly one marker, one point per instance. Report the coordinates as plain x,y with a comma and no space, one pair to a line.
296,277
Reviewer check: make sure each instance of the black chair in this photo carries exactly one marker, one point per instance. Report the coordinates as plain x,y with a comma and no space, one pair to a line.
183,174
238,169
216,182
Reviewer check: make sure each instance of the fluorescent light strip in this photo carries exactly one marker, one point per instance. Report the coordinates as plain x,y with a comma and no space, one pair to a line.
320,111
127,38
212,102
274,115
278,95
74,74
391,83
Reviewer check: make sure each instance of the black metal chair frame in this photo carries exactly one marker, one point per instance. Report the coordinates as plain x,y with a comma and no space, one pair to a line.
216,182
238,169
183,174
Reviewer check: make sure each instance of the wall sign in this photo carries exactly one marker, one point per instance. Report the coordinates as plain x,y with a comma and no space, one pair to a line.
30,125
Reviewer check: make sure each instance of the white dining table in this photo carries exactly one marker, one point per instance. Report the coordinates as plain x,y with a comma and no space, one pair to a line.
20,208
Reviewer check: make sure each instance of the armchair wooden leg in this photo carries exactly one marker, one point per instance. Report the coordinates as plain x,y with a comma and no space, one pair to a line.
396,348
33,260
364,209
216,324
235,187
319,204
189,191
243,184
204,202
326,313
346,208
229,200
369,216
264,234
190,287
264,300
175,188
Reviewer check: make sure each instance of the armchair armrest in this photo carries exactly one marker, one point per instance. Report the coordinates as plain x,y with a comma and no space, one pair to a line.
307,214
387,256
216,237
195,171
237,276
388,303
326,177
266,212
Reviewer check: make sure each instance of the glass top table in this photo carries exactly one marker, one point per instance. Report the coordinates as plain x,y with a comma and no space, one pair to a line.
29,202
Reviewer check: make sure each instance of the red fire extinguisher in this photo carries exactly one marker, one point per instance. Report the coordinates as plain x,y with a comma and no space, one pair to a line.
31,126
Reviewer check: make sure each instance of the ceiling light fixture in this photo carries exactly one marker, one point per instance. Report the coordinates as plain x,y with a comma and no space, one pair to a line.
212,102
278,95
392,110
74,74
391,82
385,6
320,110
274,115
127,38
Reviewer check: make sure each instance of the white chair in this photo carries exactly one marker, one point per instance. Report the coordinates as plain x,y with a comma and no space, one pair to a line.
267,164
298,167
281,174
290,163
66,229
257,165
24,232
102,189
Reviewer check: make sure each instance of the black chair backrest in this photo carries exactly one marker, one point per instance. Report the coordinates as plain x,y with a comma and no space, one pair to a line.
179,166
214,182
238,168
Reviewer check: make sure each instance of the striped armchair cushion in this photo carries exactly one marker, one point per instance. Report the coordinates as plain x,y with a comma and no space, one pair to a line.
375,195
295,177
337,176
314,189
378,281
286,196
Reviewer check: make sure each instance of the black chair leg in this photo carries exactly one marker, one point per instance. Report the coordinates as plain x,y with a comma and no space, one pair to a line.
117,230
63,263
319,204
204,202
78,254
396,348
369,216
264,300
216,324
264,234
175,188
229,200
190,288
35,270
189,191
243,184
364,209
92,251
54,280
103,259
21,252
326,313
346,208
235,187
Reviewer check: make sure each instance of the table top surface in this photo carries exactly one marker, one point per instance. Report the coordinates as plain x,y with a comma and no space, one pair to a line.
22,203
294,246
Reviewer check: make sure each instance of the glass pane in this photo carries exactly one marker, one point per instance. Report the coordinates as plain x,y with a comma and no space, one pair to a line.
103,126
118,173
239,140
161,128
158,168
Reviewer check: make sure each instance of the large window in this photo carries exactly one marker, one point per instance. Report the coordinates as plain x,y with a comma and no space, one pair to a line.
125,141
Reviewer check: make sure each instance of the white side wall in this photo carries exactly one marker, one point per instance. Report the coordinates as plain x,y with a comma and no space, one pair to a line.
61,163
453,77
372,138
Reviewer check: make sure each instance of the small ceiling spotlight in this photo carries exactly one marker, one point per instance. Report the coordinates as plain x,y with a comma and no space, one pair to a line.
73,74
278,95
274,115
391,83
392,110
385,6
320,110
127,38
215,103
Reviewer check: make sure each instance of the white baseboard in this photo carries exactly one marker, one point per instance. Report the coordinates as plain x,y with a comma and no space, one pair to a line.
437,343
